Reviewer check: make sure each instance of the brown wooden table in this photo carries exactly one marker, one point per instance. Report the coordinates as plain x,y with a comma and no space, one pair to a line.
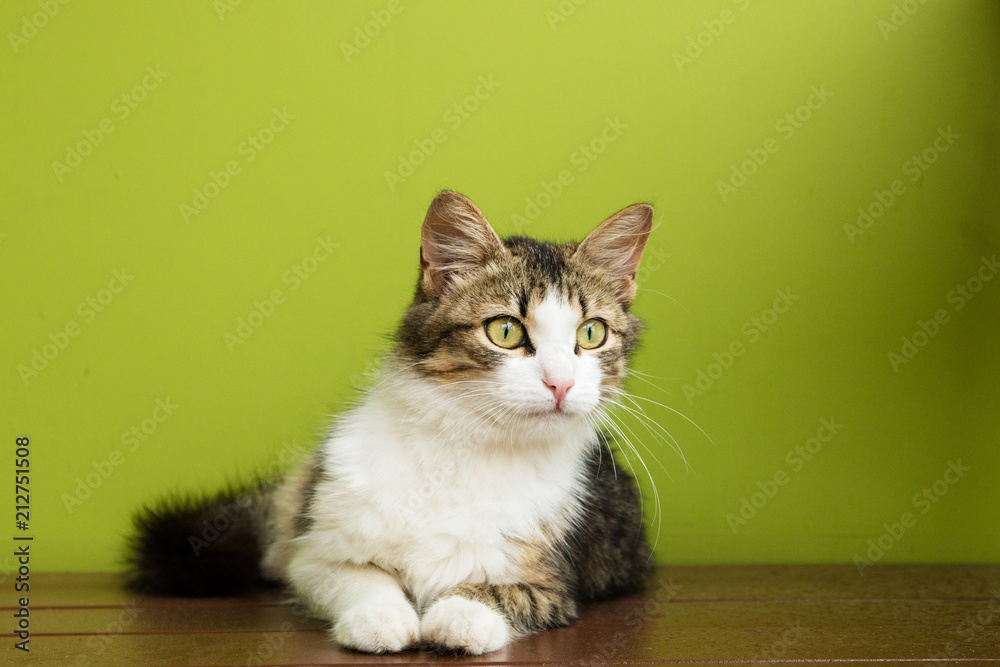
811,613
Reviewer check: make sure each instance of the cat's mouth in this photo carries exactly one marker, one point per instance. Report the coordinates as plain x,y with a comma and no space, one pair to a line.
548,413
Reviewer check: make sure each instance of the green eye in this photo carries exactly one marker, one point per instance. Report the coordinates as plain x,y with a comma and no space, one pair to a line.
591,334
505,332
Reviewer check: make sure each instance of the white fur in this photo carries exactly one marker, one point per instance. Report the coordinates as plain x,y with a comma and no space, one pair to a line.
434,484
552,330
463,624
376,616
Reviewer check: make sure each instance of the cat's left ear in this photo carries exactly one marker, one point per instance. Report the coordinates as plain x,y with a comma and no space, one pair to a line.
616,245
456,238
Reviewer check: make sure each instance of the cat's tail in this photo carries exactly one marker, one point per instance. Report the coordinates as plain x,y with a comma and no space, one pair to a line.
200,546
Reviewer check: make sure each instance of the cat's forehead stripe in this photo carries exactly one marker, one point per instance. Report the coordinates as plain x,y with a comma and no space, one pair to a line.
446,336
542,258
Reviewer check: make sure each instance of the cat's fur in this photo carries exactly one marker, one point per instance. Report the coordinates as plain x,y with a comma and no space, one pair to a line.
469,497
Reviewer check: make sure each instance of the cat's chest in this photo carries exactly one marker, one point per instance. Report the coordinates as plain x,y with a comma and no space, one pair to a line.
448,518
466,497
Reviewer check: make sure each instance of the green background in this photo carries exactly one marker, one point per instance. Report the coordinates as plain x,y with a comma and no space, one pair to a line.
714,262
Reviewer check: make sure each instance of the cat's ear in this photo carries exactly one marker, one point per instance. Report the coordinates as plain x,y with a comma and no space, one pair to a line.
616,246
456,237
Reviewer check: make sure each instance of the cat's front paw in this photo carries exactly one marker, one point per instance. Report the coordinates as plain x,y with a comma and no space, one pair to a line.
378,627
458,624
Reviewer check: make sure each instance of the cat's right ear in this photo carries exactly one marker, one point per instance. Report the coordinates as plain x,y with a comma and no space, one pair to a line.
456,237
616,246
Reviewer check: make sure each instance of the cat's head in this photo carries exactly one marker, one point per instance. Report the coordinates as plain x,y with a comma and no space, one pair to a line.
518,328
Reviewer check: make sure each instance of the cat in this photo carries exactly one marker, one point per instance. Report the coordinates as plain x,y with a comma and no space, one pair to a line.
470,496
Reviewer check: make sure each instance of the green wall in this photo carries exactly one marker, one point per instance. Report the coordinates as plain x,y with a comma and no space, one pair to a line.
169,168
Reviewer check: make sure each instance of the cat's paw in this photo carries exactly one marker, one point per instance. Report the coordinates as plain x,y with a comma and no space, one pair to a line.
376,627
458,624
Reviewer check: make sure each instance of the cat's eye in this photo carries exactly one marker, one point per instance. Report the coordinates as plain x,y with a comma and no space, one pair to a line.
591,334
505,332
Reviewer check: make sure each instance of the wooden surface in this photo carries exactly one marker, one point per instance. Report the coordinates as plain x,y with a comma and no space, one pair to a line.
706,614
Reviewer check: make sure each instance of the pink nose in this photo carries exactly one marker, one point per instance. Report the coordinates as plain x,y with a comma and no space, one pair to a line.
560,387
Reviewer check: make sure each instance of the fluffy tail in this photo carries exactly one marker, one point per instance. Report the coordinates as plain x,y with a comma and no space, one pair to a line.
200,546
